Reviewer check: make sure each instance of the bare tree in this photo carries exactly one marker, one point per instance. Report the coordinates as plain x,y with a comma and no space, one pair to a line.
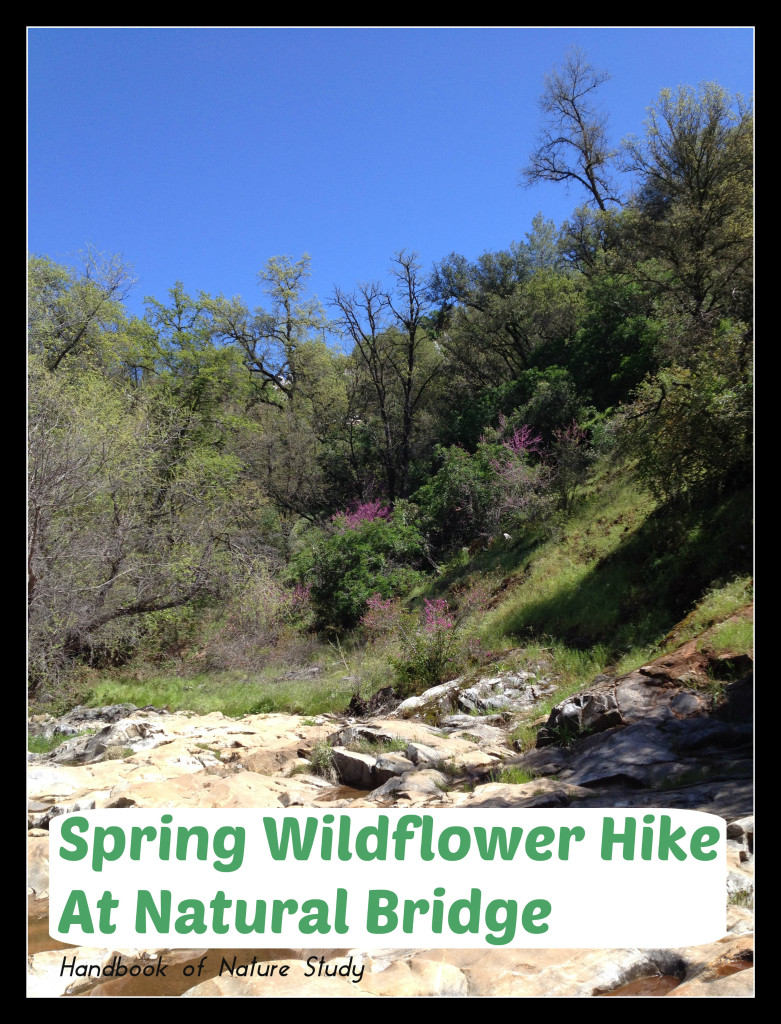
396,354
573,142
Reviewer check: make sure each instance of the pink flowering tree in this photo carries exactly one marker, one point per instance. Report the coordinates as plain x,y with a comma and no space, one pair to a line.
361,512
437,646
522,492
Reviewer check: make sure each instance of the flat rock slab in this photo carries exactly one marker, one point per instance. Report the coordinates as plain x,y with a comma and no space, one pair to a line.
416,787
538,793
199,789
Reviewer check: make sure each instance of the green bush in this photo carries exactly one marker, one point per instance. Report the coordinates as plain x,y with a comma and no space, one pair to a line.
457,500
348,564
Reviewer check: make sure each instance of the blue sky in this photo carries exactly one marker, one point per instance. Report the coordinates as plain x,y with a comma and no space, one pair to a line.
199,153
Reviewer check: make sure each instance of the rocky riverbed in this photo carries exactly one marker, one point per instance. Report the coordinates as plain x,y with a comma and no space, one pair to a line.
677,732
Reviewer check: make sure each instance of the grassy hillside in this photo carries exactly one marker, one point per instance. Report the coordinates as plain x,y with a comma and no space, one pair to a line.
620,580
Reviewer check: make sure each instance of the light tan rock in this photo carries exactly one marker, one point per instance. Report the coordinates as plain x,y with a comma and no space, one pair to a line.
416,978
474,759
722,968
545,972
539,792
38,865
740,986
200,789
270,761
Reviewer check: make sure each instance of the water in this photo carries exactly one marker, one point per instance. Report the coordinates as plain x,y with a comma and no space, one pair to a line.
658,985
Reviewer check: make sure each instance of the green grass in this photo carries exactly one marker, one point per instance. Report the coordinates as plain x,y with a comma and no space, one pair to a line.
117,753
365,745
239,693
742,898
41,745
45,745
733,637
716,605
513,775
212,750
448,768
524,737
625,570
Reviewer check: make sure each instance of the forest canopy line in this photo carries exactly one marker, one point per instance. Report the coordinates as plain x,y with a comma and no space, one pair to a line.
295,468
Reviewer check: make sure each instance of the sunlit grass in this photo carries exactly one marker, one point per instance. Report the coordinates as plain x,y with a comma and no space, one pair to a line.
734,637
607,589
241,693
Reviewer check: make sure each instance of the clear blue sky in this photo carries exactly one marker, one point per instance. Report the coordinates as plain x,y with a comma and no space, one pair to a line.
199,153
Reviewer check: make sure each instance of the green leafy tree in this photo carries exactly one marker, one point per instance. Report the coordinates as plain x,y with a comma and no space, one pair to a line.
694,169
690,427
509,334
122,523
278,345
71,311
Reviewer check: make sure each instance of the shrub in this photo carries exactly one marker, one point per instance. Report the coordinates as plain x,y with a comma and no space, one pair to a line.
321,761
382,617
571,456
431,650
348,565
436,646
456,501
504,485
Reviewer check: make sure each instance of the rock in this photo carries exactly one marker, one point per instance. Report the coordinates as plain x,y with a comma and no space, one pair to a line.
413,788
474,759
506,692
417,977
198,789
740,921
389,765
440,698
421,755
742,829
539,793
354,769
483,733
271,762
717,969
454,722
739,985
355,733
548,973
124,735
38,865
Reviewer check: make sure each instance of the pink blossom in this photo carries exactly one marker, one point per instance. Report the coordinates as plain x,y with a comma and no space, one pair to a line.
522,442
381,614
437,615
361,512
